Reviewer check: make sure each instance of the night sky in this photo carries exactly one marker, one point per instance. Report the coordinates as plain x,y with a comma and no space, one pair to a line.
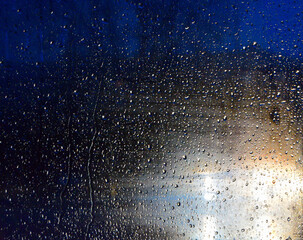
35,31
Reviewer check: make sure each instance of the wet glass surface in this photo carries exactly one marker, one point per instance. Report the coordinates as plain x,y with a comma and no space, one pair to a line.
151,119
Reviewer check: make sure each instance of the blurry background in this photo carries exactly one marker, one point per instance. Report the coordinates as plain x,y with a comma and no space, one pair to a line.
49,31
110,109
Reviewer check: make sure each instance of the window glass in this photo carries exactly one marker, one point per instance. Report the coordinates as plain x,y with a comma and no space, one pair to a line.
153,119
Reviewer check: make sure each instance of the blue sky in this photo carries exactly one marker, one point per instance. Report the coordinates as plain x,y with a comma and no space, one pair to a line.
31,31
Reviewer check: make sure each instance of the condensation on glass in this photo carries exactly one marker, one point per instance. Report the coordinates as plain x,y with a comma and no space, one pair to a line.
151,119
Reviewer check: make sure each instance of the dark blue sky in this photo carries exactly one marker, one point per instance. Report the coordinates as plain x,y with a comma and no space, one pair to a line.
45,31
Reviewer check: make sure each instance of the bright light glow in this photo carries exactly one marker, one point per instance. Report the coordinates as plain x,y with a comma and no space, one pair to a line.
209,227
262,202
208,183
